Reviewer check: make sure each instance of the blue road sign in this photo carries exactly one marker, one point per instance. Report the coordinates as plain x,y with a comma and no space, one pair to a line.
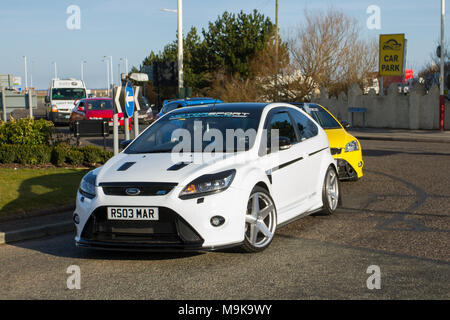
129,99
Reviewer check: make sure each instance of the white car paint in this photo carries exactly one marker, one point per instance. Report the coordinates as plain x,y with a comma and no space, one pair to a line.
296,187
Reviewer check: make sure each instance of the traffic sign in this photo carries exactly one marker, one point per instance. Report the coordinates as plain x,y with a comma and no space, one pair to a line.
392,52
129,99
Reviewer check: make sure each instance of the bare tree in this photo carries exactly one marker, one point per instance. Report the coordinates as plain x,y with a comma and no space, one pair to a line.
328,51
266,82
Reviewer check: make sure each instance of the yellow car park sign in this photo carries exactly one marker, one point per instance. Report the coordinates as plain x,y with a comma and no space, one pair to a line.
392,50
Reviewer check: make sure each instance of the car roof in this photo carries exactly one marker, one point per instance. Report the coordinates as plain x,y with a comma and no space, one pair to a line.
187,101
96,98
224,107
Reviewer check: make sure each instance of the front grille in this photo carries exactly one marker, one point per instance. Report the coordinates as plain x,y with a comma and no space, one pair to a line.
145,188
336,151
169,229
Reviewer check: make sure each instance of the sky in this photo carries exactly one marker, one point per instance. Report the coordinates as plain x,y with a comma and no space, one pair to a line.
132,28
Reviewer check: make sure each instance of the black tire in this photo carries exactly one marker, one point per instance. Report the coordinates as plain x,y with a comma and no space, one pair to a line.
270,219
330,207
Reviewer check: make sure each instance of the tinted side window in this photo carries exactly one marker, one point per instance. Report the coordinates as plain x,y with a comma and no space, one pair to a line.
322,116
306,128
283,123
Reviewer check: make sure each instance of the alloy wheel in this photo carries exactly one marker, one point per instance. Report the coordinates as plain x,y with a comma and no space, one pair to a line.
260,220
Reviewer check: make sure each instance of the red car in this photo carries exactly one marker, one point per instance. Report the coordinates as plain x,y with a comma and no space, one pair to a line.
95,109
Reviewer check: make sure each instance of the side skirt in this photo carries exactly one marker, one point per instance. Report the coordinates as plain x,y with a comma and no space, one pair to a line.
307,213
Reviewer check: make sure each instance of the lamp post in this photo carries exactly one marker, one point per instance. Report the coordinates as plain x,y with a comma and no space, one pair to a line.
56,71
107,74
442,71
26,72
111,69
82,70
125,61
179,12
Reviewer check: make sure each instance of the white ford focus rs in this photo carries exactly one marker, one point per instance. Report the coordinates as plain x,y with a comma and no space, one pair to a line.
209,177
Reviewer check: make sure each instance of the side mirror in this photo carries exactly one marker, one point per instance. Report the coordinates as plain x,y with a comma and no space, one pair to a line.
125,143
284,143
345,124
81,109
47,99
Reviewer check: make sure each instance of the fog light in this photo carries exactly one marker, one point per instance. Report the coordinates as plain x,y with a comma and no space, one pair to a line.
76,218
217,221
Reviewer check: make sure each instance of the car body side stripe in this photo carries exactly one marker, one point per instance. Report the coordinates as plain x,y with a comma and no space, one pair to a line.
281,166
313,153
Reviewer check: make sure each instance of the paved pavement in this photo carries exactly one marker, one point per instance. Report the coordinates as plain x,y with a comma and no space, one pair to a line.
395,217
401,135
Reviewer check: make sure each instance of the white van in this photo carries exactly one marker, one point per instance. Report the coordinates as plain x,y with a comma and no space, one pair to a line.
62,95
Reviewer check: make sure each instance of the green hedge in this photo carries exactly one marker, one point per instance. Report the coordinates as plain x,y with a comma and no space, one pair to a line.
26,132
57,155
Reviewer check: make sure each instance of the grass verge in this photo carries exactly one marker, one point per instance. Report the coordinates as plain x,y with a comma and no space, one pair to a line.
30,189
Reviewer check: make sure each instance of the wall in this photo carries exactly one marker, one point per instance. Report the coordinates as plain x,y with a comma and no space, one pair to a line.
417,110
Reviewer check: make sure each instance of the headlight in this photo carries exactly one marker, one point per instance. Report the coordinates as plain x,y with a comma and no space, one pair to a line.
87,185
208,184
352,146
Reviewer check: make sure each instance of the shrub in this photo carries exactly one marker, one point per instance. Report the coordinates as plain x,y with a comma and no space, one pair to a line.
25,154
75,157
26,132
59,154
92,154
30,154
7,153
106,155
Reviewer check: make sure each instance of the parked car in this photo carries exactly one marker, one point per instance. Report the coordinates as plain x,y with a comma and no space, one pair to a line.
94,109
145,198
170,105
145,115
345,148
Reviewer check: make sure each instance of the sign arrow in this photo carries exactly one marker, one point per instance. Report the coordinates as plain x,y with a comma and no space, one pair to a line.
116,100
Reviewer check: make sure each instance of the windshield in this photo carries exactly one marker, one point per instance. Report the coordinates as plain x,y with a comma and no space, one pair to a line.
68,94
319,114
211,131
99,105
169,107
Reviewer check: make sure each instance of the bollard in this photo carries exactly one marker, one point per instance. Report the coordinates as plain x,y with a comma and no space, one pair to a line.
126,126
116,133
136,124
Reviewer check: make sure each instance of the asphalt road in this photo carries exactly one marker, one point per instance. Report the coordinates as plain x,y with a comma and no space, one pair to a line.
396,217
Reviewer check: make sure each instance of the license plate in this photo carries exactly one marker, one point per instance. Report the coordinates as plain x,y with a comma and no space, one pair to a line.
133,213
67,116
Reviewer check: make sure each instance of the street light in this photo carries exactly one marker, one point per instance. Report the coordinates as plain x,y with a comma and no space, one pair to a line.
442,71
26,72
56,71
107,74
111,69
82,69
31,73
125,61
179,12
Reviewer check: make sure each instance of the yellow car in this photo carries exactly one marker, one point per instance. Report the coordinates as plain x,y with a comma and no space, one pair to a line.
345,148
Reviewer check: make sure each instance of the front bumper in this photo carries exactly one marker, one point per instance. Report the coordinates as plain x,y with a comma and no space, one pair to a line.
59,117
183,225
350,164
